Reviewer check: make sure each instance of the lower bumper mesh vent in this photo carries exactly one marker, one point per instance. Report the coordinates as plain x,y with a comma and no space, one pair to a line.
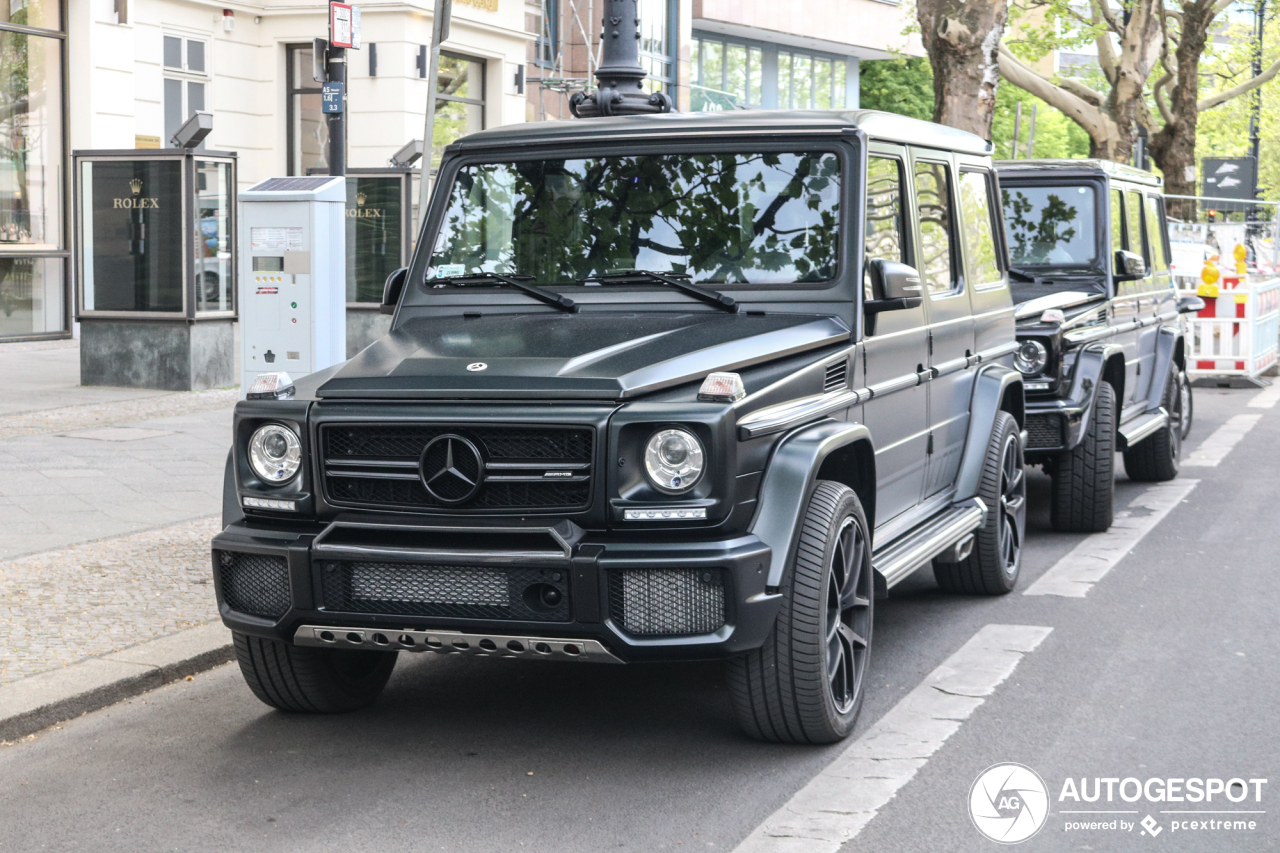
462,592
1044,430
657,602
257,584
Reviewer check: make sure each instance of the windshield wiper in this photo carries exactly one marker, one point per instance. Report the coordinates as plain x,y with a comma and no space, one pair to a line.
676,280
481,279
1023,275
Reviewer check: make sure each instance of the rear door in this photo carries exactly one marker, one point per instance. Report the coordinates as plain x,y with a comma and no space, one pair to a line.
950,335
1143,295
895,346
1126,229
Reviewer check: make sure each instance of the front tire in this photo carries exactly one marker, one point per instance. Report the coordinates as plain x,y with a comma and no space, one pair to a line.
1156,458
993,565
1084,479
1188,404
806,683
312,680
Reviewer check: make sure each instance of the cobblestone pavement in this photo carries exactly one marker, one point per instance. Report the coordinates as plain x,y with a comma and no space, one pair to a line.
61,606
91,415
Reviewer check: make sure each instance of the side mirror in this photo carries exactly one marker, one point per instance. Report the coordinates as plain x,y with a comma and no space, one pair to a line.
1128,266
894,286
1190,304
391,290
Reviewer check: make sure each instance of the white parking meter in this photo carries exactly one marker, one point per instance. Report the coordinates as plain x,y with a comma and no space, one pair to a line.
292,276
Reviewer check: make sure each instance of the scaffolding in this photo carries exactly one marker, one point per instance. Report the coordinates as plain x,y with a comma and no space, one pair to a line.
567,53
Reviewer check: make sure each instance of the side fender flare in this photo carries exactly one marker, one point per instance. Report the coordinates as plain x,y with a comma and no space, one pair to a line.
1166,348
990,387
1090,370
788,480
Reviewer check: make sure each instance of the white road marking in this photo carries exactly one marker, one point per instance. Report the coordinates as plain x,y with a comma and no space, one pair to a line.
1076,573
1215,448
1266,398
848,793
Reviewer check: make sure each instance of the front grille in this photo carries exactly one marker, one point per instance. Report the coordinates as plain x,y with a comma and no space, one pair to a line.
461,592
536,468
1044,430
257,584
653,602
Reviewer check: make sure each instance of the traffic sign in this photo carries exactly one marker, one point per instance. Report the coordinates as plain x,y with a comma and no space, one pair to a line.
343,26
331,97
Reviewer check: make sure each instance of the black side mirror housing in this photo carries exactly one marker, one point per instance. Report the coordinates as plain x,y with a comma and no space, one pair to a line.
1128,266
894,286
392,289
1190,304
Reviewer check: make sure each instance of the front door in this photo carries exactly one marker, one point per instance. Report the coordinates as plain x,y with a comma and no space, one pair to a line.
895,349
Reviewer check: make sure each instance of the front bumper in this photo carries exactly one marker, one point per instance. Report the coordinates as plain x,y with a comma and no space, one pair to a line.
586,569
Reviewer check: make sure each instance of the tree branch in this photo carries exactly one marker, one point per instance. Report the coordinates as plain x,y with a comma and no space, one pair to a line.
1082,91
1116,25
1088,116
1236,91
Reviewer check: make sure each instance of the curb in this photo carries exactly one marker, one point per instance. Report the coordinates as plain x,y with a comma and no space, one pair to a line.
39,701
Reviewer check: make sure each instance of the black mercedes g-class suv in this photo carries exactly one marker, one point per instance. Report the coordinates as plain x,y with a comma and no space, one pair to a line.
1100,344
656,388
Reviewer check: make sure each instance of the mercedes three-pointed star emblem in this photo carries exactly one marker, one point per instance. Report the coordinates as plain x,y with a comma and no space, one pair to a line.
451,468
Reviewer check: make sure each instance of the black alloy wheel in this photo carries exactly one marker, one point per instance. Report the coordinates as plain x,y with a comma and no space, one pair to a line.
1013,507
848,621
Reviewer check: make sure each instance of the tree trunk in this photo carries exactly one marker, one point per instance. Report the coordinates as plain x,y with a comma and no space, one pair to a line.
1174,146
962,39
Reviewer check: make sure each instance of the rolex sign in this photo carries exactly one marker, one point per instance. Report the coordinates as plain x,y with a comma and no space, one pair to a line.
131,233
374,234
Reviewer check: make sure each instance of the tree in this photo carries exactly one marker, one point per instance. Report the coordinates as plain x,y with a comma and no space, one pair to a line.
961,39
1149,55
902,85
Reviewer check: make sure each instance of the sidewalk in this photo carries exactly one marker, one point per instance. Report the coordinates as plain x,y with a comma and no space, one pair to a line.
108,499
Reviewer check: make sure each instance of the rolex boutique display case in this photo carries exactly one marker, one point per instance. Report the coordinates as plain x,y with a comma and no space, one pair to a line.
155,267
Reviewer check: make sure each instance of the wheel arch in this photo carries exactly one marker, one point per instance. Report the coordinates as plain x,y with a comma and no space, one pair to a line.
828,449
996,388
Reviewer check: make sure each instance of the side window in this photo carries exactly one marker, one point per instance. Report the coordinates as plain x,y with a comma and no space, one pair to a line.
1133,238
885,222
976,215
933,197
1155,237
1117,225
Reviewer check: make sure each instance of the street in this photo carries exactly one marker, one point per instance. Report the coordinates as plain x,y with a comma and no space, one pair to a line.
1159,664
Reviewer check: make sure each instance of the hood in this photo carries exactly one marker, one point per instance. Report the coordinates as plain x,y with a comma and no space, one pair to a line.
594,356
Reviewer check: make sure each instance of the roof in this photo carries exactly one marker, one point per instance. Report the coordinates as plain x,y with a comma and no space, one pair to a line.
1075,168
877,125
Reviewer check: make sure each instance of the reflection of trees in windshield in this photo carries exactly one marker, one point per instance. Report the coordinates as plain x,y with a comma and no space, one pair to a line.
1045,228
736,218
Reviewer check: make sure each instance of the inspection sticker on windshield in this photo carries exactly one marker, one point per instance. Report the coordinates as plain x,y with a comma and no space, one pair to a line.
450,270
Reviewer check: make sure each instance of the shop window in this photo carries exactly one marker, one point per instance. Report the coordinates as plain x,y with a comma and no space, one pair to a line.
186,81
811,81
308,131
657,44
726,75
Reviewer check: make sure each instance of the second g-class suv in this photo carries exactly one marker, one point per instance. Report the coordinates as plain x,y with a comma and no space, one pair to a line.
1100,343
663,387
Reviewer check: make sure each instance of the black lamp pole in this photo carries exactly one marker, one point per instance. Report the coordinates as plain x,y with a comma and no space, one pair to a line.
619,79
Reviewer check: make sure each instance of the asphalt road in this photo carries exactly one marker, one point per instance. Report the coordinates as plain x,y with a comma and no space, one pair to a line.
1166,668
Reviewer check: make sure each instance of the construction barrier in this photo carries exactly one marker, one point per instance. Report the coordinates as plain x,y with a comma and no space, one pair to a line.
1238,332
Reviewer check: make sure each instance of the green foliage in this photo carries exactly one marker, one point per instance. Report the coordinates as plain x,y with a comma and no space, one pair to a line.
755,218
903,85
1055,134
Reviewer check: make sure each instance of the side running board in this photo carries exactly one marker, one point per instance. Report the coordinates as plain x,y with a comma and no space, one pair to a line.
1141,427
903,556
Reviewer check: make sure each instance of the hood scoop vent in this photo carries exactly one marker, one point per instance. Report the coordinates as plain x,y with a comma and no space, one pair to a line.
837,376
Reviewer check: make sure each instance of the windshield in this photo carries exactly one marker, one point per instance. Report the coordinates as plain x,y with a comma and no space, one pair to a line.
1051,226
755,218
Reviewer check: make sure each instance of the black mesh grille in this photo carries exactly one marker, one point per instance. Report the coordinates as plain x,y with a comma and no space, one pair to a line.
352,451
651,602
420,589
257,584
1044,430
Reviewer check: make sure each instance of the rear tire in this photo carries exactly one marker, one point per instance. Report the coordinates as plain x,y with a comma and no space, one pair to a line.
806,683
992,566
1155,459
1084,479
310,680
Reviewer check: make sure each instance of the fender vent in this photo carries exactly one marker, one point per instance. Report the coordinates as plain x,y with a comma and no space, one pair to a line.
836,377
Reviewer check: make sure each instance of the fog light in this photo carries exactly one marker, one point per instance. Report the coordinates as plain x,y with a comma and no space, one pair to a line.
265,503
666,514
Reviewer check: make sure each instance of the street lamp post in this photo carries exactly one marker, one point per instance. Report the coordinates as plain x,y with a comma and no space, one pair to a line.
620,78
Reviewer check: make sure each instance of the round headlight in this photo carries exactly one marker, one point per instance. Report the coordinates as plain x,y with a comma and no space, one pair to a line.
1031,358
674,460
275,454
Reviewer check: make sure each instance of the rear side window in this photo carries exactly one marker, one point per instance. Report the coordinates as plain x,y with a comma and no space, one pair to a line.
933,195
1133,221
981,266
886,225
1155,239
1117,226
